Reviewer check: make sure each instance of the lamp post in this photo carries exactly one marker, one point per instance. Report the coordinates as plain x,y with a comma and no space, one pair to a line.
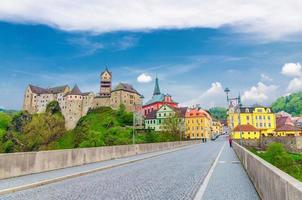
133,126
238,99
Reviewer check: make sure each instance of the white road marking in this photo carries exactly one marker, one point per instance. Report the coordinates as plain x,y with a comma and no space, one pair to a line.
205,183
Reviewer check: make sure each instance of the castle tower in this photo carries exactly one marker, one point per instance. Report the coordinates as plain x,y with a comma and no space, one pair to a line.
105,85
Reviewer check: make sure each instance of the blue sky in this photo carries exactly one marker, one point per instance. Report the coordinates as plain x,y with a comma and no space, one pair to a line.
193,62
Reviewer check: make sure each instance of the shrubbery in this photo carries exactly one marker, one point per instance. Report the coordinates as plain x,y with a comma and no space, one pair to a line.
44,131
279,157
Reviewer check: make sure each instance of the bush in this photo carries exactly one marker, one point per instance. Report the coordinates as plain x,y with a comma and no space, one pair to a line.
277,155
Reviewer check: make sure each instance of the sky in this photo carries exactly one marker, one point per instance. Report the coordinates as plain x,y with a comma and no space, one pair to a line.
195,48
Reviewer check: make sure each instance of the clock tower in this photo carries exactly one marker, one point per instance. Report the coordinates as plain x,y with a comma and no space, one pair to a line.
105,84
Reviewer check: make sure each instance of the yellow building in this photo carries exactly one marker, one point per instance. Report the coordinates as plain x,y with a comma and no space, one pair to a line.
198,124
288,130
217,127
248,132
260,117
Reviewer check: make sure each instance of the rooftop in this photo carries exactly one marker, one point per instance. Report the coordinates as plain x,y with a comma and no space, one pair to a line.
125,87
151,115
245,127
288,127
53,90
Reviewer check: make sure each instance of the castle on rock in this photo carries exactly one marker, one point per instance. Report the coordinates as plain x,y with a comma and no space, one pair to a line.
74,103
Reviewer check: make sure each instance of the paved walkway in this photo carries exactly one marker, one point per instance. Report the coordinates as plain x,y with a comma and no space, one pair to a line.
173,175
229,179
33,178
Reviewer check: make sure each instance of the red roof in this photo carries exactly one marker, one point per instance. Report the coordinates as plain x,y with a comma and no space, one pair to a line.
151,115
287,127
281,121
245,127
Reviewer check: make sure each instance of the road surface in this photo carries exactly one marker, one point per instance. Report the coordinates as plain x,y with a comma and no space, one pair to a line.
175,175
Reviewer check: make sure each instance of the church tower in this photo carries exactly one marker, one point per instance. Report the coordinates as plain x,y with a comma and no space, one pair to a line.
156,88
105,85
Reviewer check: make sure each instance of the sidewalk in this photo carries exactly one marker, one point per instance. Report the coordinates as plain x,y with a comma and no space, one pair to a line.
229,180
34,180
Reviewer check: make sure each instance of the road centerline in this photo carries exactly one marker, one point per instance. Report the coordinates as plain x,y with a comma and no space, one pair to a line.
205,183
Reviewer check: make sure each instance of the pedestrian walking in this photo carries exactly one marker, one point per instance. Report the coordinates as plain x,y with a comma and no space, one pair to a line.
230,141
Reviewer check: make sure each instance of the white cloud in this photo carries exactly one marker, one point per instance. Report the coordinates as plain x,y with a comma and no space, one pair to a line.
144,78
295,85
88,47
261,93
214,96
292,69
127,42
215,89
273,19
265,77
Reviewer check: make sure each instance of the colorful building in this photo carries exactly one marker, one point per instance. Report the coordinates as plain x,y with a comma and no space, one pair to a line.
248,131
158,100
198,124
217,127
156,119
288,130
262,118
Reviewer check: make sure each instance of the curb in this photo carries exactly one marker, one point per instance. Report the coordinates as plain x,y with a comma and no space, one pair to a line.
54,180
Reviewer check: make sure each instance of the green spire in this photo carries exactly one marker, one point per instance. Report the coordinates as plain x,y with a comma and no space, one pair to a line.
156,88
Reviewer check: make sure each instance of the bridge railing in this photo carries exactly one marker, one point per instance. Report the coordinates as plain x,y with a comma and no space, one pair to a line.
270,182
23,163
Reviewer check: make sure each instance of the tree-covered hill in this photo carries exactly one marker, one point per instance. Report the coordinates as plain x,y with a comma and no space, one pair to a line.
218,113
291,104
45,131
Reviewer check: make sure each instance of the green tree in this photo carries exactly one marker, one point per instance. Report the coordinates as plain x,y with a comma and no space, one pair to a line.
218,113
278,156
172,125
42,131
125,118
53,107
291,104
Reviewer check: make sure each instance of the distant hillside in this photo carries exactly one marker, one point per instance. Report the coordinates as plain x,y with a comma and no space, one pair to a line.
218,113
291,104
45,131
8,111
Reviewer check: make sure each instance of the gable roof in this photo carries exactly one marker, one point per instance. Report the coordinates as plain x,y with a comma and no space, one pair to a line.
106,70
288,127
183,111
280,121
37,90
245,127
76,91
53,90
125,87
151,115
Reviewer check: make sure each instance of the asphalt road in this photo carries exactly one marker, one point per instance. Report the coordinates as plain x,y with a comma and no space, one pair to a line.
176,175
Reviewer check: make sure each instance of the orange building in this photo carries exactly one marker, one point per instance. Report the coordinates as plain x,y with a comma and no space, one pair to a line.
198,124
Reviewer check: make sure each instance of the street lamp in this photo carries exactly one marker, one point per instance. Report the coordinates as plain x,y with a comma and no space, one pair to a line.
238,99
